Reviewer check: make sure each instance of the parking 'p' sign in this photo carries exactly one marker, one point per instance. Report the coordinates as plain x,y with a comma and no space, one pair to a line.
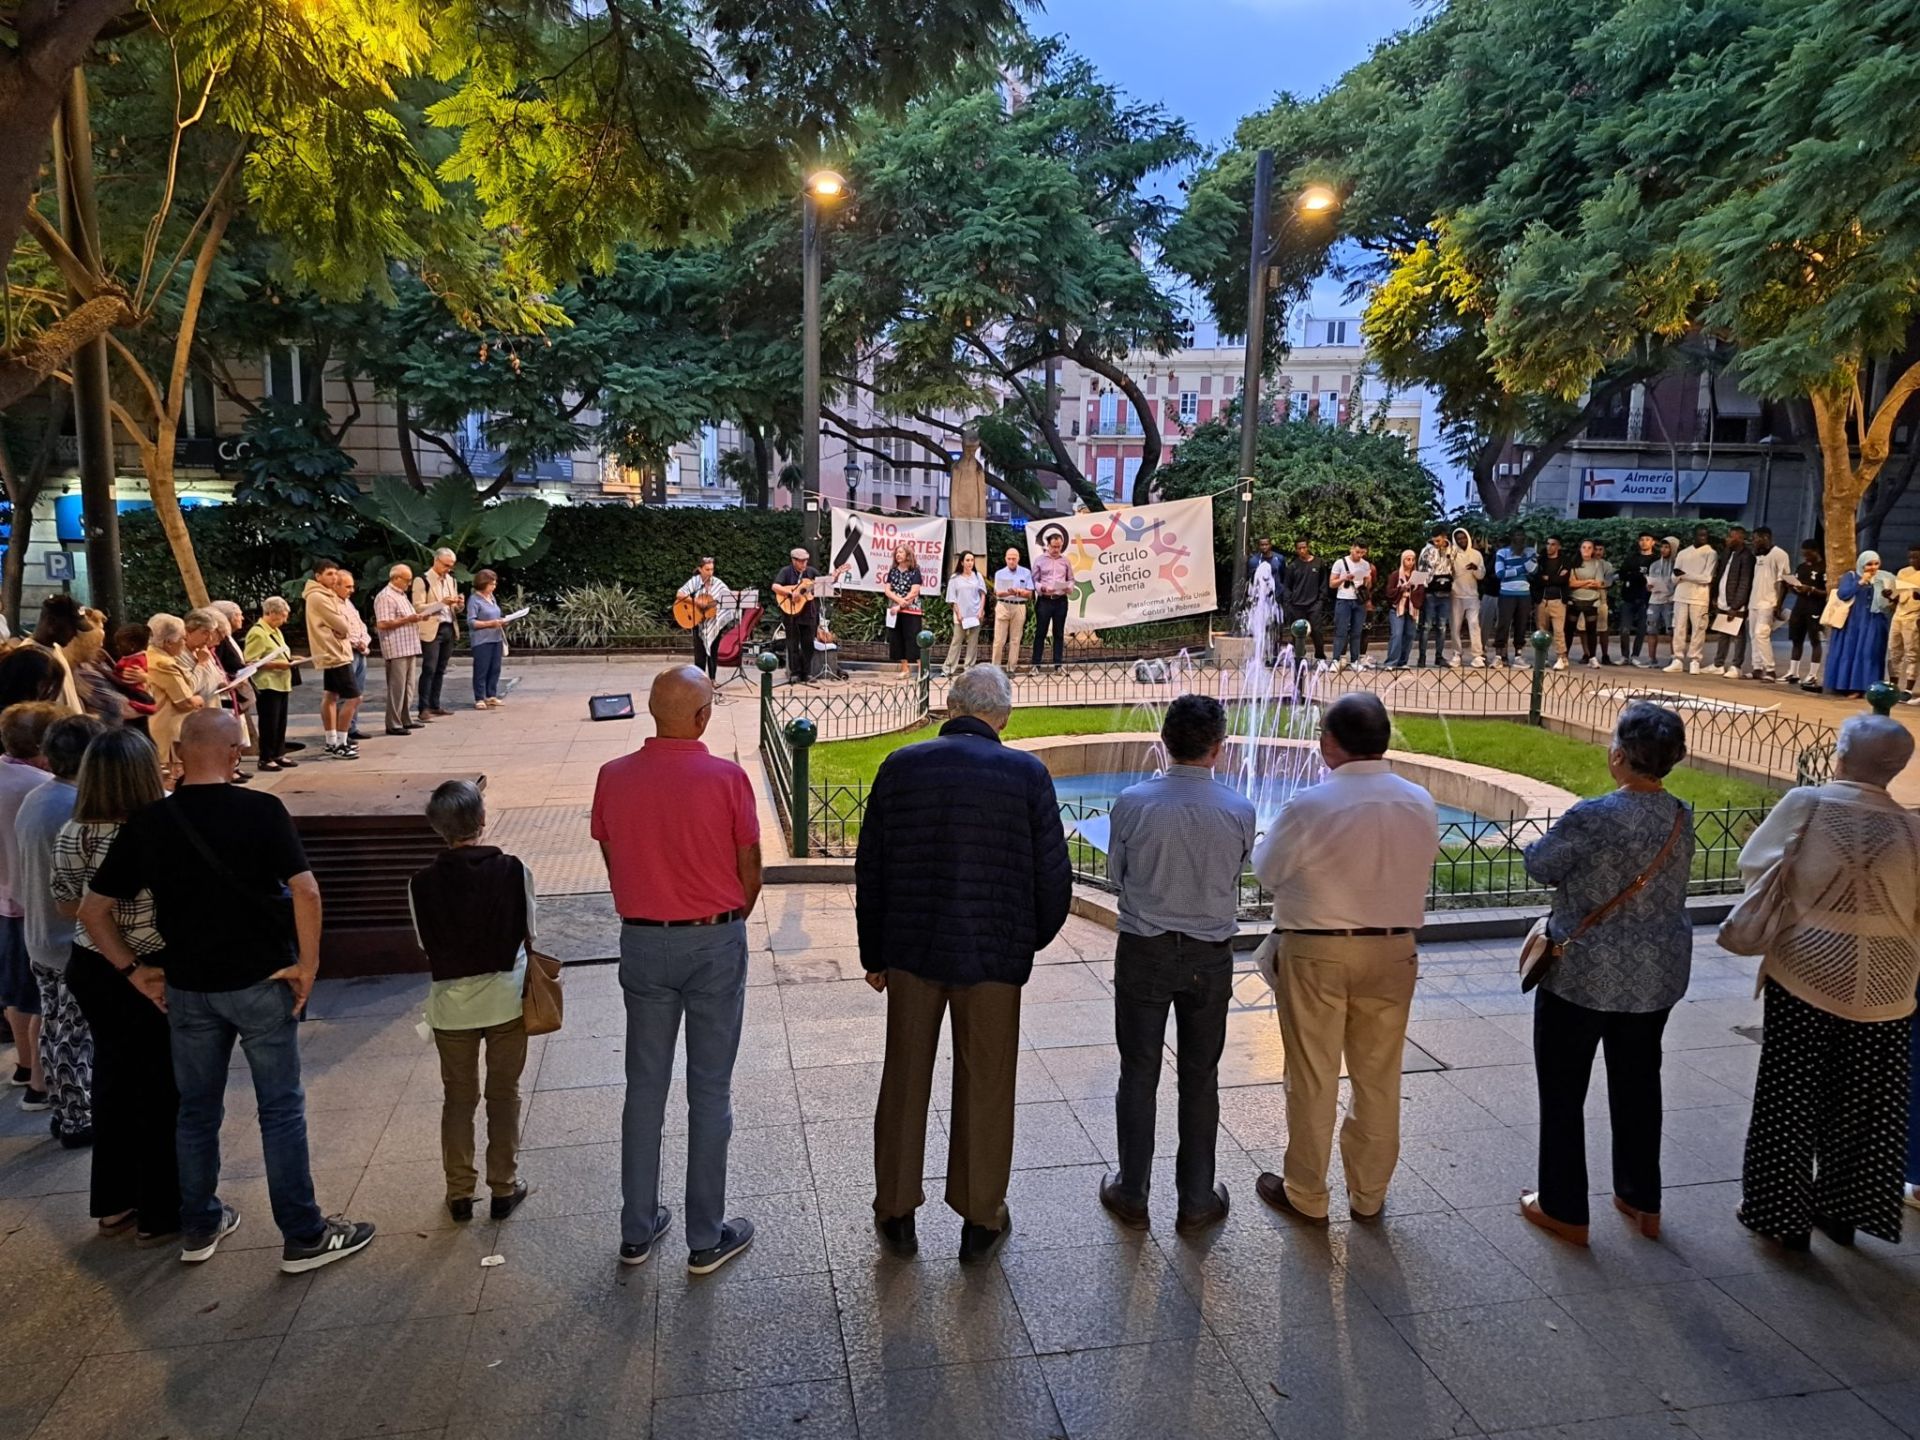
59,565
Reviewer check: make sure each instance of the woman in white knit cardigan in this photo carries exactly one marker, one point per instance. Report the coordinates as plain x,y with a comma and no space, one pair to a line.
1826,1146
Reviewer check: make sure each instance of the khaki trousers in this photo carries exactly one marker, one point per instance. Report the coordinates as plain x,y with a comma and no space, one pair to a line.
1553,620
1348,993
1009,623
506,1047
986,1049
1903,651
403,674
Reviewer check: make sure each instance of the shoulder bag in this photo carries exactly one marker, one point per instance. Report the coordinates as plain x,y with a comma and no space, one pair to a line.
276,908
541,1003
1539,951
1834,613
1766,911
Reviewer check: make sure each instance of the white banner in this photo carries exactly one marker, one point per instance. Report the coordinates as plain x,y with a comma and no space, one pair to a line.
1148,562
864,544
1617,485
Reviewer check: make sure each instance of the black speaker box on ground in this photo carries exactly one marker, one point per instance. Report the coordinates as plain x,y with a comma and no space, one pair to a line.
610,707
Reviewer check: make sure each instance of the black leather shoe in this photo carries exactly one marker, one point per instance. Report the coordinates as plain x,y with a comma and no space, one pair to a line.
400,730
899,1236
1129,1214
1188,1221
1272,1189
979,1244
501,1206
461,1210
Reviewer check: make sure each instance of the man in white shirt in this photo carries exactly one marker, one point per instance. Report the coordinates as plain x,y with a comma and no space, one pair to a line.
1351,580
1468,566
1771,567
1903,644
1693,571
1012,589
1349,862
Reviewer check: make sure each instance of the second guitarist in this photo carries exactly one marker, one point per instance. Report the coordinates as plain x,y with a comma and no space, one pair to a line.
712,603
794,584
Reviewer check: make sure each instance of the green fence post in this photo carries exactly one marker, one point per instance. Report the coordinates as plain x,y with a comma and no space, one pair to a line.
926,675
1881,696
768,662
800,735
1300,630
1542,642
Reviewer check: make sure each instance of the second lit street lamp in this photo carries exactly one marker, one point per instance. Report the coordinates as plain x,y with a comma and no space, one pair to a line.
1310,204
823,187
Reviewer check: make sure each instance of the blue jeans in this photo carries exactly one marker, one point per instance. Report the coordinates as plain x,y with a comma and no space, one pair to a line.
699,971
205,1024
1349,630
486,671
1400,630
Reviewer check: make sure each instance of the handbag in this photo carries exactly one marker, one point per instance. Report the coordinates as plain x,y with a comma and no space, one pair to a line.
1760,916
1834,613
1539,951
541,1004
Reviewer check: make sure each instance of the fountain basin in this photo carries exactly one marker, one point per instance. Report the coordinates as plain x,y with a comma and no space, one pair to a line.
1482,792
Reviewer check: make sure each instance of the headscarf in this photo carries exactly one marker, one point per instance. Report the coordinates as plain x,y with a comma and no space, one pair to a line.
1881,586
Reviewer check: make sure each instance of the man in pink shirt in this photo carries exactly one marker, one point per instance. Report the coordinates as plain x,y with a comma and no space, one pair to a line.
680,834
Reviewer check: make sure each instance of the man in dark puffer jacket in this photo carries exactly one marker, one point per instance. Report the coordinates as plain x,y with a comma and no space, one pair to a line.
961,875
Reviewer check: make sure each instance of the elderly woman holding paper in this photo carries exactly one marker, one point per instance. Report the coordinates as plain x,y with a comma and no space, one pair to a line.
266,648
487,635
1833,908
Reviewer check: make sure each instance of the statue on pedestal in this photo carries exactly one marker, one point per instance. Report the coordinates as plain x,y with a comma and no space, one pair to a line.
967,502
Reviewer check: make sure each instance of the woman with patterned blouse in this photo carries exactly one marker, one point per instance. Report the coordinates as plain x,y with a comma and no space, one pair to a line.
136,1178
1616,984
903,584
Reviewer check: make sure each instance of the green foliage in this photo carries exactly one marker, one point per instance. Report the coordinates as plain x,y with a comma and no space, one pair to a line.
296,472
1324,483
1619,533
590,617
450,513
244,552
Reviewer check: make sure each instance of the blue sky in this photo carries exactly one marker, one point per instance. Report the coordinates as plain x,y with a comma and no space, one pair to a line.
1212,61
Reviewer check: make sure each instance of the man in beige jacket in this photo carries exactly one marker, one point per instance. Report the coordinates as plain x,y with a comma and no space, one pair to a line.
329,637
435,586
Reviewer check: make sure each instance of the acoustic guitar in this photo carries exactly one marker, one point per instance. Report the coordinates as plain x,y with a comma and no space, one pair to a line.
690,611
798,600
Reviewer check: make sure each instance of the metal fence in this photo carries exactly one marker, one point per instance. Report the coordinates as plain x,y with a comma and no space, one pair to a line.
1479,865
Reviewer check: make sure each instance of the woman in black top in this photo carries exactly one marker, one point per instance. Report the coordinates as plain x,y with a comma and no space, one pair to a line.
903,599
1809,586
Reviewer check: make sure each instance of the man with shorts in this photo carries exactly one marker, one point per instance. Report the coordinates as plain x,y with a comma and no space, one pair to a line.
329,636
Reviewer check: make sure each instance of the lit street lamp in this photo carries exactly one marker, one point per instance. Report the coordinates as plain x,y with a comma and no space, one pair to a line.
823,186
1310,204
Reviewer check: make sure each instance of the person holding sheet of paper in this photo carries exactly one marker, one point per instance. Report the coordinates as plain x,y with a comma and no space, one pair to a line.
266,648
398,621
487,628
1732,595
967,598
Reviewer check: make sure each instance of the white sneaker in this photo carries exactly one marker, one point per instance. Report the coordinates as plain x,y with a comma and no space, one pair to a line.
1594,663
1694,668
1454,663
1561,663
1499,662
1709,670
1479,663
1911,700
1339,665
1676,668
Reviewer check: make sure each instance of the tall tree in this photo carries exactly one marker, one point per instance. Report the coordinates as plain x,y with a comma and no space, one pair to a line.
1446,144
990,233
1760,162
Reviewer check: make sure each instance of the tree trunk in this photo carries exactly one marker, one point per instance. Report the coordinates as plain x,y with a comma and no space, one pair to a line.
763,467
173,524
1845,480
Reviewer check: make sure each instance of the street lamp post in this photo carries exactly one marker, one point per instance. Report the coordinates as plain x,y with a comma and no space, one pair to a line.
822,185
1314,200
853,484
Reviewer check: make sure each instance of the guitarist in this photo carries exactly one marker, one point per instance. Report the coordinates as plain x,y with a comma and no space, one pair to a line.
710,597
793,588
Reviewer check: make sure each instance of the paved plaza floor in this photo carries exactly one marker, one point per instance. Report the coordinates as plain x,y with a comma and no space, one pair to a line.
1452,1317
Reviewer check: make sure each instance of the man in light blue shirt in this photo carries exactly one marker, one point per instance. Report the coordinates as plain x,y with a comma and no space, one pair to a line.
1012,589
1177,847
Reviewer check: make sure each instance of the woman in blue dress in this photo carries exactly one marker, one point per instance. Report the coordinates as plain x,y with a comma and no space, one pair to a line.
1858,657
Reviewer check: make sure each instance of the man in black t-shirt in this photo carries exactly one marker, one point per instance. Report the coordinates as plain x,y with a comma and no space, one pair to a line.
802,627
238,910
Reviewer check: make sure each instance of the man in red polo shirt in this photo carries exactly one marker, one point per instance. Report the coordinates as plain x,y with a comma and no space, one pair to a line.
681,837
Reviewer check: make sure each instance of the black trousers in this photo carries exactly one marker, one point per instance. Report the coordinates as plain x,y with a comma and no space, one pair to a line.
1316,631
703,654
135,1104
434,655
1513,622
1803,625
1050,611
800,633
1584,621
1195,979
273,723
1565,1036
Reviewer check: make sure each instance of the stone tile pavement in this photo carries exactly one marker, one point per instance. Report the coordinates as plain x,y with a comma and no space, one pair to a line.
1451,1318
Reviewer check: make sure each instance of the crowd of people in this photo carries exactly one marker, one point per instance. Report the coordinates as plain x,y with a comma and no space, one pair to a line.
1738,594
